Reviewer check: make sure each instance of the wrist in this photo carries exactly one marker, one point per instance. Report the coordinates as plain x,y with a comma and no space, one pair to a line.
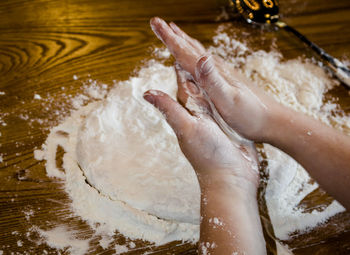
278,120
227,184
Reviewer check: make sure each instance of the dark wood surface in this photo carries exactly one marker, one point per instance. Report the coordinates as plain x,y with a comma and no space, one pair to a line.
44,43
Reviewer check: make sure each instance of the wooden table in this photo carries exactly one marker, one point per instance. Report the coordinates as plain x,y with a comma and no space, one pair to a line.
44,43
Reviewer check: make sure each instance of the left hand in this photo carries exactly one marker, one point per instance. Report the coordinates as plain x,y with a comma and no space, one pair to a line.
211,153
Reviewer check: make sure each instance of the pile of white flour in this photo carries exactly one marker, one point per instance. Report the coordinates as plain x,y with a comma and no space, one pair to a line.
125,171
139,181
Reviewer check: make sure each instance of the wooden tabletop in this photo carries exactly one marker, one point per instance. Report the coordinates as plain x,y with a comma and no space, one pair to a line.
43,43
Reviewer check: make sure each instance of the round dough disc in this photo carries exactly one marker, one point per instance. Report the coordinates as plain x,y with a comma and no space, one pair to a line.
128,152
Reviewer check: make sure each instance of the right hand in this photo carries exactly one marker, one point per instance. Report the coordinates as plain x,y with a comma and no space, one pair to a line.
241,104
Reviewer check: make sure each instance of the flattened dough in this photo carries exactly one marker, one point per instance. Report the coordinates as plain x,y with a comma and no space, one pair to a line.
128,152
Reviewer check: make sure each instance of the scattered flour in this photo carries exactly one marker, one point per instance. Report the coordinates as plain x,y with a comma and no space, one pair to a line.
28,214
161,53
2,122
64,239
119,249
37,96
105,241
205,246
148,189
132,245
218,222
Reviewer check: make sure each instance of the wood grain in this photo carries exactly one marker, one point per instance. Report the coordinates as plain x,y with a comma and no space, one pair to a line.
43,43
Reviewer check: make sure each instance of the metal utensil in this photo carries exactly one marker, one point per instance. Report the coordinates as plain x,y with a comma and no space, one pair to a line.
266,12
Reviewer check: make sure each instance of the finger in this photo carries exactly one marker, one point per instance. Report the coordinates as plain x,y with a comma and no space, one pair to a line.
178,31
219,91
177,117
184,53
191,96
185,87
209,78
229,72
195,44
162,31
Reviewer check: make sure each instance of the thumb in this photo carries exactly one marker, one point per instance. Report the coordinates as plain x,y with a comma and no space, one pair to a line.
208,76
177,116
216,87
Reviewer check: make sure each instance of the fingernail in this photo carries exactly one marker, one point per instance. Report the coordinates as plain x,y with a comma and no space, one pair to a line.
157,21
154,22
204,66
175,27
207,65
149,97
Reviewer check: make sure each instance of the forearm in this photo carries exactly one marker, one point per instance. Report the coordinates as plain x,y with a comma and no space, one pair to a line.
323,151
229,219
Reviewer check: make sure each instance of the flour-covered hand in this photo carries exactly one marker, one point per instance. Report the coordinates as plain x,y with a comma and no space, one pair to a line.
241,104
205,145
227,172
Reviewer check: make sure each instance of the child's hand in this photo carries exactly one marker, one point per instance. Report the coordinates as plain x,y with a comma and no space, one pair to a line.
227,172
212,154
242,105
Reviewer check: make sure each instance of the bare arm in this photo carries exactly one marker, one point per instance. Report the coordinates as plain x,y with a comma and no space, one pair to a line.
323,151
229,219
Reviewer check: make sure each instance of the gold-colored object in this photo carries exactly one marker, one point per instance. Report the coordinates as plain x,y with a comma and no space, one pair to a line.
268,3
252,4
239,7
266,12
259,11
